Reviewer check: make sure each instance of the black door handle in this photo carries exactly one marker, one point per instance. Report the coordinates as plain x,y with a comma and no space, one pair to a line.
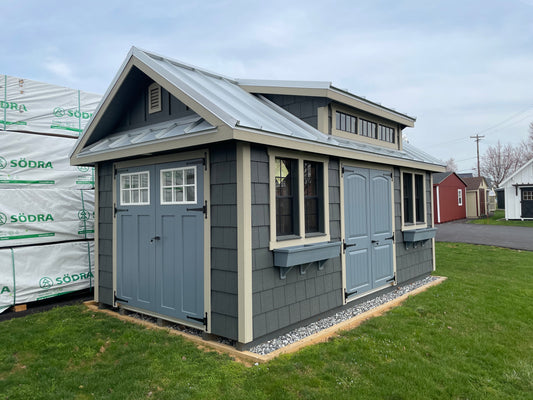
155,238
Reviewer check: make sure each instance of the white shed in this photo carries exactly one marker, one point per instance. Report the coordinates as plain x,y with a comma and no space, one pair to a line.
519,193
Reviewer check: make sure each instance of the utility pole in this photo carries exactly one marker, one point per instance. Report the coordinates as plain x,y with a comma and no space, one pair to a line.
477,138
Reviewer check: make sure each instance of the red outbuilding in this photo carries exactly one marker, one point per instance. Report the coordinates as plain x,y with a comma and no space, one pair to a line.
449,194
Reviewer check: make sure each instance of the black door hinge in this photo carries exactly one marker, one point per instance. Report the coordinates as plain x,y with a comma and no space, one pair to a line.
392,279
202,320
348,294
116,210
202,209
345,246
118,298
390,237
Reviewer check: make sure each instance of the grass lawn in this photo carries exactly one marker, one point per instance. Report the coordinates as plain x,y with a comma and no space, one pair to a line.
498,218
468,338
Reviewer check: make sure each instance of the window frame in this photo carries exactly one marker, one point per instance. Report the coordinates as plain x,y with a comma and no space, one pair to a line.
406,225
460,197
122,177
342,120
184,185
301,237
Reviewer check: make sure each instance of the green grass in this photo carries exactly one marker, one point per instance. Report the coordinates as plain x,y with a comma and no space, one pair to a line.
498,218
468,338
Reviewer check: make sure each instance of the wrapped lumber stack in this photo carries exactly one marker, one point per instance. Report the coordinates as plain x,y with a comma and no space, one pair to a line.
46,205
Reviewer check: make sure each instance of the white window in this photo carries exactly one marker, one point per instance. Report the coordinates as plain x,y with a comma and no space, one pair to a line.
178,185
299,193
459,197
135,188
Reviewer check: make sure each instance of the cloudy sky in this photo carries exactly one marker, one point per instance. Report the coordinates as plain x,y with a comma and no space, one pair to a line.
460,67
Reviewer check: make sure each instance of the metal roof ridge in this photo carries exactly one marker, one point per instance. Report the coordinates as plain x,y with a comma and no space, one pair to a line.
183,64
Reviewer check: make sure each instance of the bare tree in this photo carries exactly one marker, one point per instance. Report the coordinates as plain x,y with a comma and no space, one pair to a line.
501,161
451,166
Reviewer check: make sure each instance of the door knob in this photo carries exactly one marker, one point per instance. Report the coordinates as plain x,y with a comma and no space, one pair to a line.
155,238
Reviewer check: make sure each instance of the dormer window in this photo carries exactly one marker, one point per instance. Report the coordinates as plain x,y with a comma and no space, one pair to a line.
154,98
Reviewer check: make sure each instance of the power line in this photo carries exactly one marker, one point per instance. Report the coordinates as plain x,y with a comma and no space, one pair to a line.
527,109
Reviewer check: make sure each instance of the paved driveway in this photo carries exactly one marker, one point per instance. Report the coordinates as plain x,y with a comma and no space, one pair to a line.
513,237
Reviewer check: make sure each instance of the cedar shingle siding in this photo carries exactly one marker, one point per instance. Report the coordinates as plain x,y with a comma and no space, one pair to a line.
278,303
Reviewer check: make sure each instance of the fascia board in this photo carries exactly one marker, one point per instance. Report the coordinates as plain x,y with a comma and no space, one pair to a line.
291,91
371,108
519,170
158,146
312,147
104,103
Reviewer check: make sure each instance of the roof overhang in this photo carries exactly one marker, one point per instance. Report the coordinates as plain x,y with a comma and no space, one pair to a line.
325,89
185,94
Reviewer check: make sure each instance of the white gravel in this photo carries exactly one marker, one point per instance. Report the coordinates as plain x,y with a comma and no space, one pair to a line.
324,323
314,327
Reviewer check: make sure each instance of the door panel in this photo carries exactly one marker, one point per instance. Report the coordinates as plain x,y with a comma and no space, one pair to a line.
135,253
192,301
527,202
381,227
368,229
357,271
160,245
357,230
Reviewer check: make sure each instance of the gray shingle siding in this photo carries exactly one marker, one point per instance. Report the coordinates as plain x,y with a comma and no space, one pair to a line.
279,303
105,232
223,211
303,107
136,115
413,262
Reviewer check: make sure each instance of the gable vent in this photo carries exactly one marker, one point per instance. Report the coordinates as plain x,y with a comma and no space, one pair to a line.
154,98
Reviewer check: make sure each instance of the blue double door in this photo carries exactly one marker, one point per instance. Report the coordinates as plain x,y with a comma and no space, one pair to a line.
368,229
160,239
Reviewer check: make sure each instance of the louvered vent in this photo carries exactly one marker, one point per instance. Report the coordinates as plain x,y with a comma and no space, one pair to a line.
154,98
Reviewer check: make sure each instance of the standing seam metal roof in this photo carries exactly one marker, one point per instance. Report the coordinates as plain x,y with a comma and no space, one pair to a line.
237,108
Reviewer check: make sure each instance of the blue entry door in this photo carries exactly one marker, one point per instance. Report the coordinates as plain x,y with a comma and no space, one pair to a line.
160,239
368,237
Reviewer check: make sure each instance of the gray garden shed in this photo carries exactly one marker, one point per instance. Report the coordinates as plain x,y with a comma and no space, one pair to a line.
248,207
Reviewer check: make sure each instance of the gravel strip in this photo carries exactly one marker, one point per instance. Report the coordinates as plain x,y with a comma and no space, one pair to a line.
324,323
314,327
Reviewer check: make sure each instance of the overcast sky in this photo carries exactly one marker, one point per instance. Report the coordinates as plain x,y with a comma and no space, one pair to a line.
460,67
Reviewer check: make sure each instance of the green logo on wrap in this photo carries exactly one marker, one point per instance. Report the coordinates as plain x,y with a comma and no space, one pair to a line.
60,112
83,169
3,219
3,163
46,283
84,215
13,106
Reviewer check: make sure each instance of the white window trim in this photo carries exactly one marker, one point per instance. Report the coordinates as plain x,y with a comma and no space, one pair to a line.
460,197
310,238
161,187
414,225
357,136
139,173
